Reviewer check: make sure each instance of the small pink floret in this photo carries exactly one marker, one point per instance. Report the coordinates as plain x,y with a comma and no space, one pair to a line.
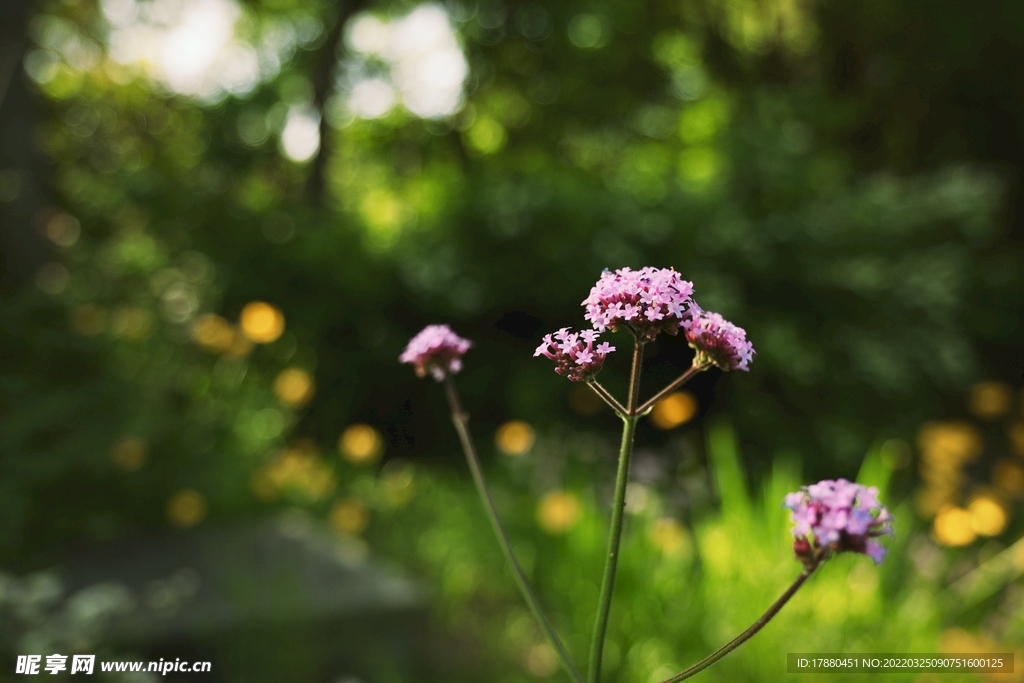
436,350
646,301
574,354
717,341
837,516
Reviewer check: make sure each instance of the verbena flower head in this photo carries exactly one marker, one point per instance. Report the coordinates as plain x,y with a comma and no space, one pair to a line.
646,301
834,516
717,341
574,353
437,350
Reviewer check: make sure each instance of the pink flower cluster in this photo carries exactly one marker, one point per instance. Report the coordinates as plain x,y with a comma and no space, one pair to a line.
574,353
437,350
717,341
834,516
647,301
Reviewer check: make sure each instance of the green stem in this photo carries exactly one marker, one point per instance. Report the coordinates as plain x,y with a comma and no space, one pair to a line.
679,381
608,398
618,508
460,419
749,633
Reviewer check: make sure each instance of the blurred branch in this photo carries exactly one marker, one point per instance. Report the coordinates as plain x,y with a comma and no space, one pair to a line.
322,78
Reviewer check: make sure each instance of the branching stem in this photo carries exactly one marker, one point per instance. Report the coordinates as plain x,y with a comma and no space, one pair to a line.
679,381
629,420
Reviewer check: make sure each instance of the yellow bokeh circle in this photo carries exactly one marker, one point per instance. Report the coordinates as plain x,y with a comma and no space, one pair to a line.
675,409
186,508
990,400
129,453
953,526
350,516
988,516
361,444
558,512
514,437
261,322
294,387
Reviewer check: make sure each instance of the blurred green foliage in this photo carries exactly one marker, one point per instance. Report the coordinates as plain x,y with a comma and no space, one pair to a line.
683,590
840,179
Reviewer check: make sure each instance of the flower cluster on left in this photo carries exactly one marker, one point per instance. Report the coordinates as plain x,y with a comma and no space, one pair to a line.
436,350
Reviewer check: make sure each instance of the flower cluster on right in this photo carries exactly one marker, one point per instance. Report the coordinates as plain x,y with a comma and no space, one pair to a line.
837,516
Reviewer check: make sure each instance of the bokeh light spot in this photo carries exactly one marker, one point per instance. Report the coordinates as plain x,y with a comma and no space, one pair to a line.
540,660
588,31
675,409
988,516
514,437
129,453
261,322
300,138
989,400
425,67
1016,434
350,516
558,512
670,537
213,333
1008,476
294,387
361,444
132,323
186,508
953,526
486,135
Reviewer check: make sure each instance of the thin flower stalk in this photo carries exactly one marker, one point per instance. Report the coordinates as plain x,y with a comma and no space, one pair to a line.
460,420
761,622
678,382
606,396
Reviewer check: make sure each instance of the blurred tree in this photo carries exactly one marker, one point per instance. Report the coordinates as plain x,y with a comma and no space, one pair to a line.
825,183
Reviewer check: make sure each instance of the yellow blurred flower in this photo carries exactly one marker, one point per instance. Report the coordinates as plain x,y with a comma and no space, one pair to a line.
186,508
949,441
1008,476
988,516
132,323
675,409
350,516
129,453
1016,434
298,468
514,437
558,511
261,322
213,333
989,400
670,537
294,387
953,526
361,444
